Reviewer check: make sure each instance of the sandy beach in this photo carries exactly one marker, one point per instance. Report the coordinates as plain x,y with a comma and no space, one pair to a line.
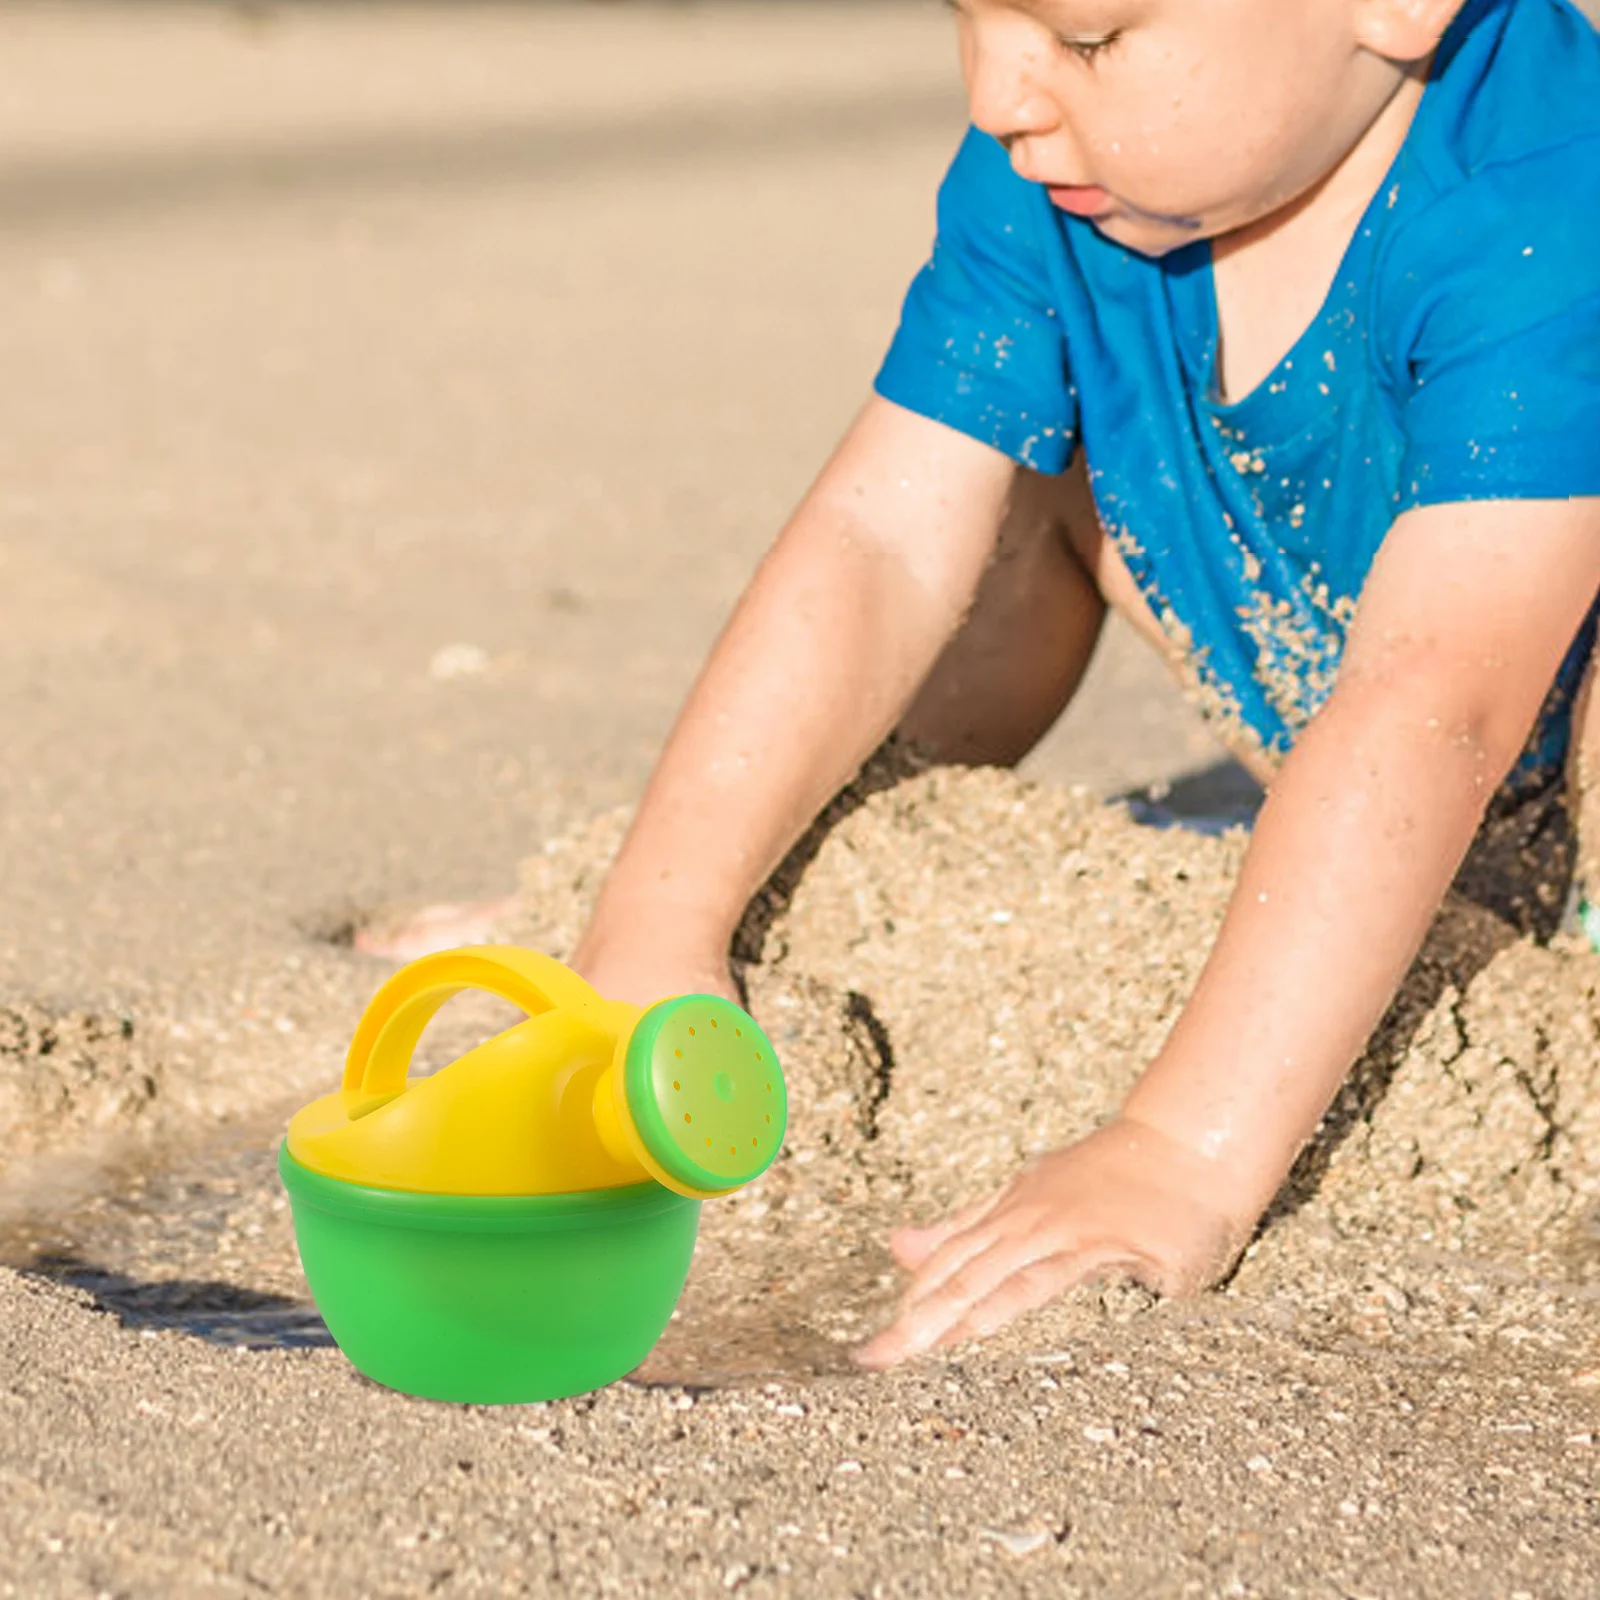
400,395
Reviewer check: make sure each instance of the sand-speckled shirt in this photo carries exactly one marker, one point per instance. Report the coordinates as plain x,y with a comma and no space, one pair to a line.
1457,357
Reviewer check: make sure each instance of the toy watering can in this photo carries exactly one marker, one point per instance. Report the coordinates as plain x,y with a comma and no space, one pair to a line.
519,1226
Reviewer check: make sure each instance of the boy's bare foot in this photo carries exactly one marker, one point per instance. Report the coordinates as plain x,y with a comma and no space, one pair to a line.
433,928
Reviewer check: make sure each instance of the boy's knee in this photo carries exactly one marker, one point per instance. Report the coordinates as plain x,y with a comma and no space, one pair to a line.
1051,513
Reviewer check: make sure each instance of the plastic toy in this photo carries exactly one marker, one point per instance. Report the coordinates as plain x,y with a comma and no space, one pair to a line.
519,1226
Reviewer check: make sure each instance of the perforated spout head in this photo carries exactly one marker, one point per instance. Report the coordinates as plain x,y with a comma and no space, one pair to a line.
696,1096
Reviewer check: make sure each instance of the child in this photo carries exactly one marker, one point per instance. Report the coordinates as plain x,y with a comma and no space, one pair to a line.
1274,324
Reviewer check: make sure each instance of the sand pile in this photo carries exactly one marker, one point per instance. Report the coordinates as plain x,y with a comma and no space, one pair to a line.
971,969
68,1079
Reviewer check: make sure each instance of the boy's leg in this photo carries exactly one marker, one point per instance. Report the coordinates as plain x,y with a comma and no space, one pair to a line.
1005,678
1583,783
1022,651
1536,862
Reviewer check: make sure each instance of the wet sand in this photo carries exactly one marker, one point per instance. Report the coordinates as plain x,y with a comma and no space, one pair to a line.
396,409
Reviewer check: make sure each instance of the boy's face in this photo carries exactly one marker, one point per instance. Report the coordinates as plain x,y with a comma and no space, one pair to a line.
1167,121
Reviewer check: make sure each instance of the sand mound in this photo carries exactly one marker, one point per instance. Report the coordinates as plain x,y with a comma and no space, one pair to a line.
67,1078
972,969
76,1088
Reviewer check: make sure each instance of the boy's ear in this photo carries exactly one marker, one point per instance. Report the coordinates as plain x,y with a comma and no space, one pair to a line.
1403,30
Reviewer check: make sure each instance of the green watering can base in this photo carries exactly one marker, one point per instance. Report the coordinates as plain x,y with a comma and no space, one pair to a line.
518,1226
492,1299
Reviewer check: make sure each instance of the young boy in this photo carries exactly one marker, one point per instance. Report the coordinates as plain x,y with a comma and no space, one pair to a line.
1274,324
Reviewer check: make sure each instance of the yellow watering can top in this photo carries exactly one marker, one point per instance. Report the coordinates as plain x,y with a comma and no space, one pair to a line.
588,1093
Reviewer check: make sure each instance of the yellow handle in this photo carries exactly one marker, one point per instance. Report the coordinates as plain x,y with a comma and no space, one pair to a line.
588,1093
386,1037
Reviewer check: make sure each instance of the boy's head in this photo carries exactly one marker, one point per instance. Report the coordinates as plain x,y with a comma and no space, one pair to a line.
1168,121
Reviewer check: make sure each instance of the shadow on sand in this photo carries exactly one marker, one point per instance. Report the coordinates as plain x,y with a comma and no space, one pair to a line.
219,1313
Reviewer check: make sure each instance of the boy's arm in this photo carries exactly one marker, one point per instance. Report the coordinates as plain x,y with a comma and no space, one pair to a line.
1466,615
823,653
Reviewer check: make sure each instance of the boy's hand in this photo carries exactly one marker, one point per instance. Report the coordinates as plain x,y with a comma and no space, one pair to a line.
1126,1199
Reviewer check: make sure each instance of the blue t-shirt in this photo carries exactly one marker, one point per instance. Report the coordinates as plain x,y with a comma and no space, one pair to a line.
1457,357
